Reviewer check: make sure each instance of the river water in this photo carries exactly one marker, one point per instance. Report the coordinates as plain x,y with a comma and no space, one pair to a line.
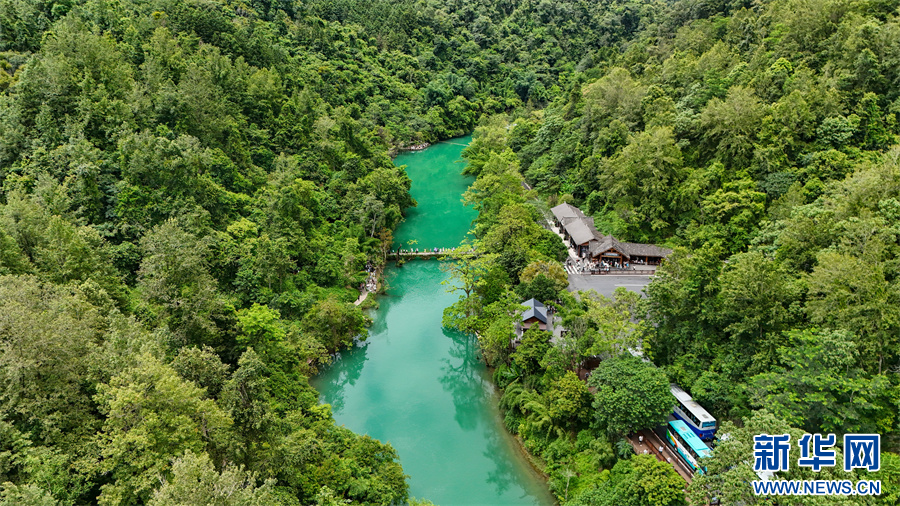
420,387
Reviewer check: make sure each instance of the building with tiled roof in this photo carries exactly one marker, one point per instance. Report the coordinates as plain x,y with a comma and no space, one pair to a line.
536,313
579,230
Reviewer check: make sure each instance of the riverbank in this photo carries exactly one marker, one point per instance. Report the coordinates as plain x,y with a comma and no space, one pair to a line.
536,463
422,389
396,150
419,386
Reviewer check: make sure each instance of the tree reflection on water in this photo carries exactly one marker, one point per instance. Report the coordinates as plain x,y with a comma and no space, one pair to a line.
467,380
461,380
349,364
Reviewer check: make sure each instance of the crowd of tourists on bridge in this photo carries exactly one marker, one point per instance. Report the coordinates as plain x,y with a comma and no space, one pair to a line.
415,251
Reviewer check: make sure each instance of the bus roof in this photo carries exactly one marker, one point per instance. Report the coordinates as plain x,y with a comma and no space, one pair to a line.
690,438
691,404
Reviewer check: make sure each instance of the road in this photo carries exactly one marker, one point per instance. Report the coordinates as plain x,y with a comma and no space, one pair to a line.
651,445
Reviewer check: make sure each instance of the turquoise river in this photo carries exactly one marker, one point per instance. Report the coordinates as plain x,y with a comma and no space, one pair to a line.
420,387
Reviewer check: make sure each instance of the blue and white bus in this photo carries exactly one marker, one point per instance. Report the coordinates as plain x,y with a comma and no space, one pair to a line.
688,411
687,444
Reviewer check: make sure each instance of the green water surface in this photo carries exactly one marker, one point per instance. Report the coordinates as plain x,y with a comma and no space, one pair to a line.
440,220
420,387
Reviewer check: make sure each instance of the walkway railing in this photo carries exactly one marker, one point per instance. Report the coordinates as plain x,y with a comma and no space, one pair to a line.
430,253
620,272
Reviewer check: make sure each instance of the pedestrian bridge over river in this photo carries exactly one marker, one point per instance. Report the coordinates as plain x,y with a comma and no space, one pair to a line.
440,253
420,386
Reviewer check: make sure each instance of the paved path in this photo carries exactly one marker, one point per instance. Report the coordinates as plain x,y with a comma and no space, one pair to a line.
606,285
651,445
370,286
572,255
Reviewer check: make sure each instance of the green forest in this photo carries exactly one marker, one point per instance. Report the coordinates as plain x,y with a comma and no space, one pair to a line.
755,140
191,191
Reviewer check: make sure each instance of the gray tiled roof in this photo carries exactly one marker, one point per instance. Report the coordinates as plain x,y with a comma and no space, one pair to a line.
608,243
563,211
581,231
650,250
535,309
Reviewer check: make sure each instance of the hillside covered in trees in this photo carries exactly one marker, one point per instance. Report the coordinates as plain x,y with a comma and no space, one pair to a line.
192,189
759,141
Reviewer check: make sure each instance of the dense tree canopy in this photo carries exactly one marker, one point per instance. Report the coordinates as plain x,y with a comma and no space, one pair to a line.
631,395
190,193
756,140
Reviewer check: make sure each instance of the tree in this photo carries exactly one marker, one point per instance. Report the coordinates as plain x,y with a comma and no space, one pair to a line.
336,324
515,230
495,325
821,388
498,186
715,392
756,295
639,182
542,288
534,345
247,399
575,343
855,294
631,395
488,138
730,125
202,367
651,483
25,495
261,329
36,241
12,259
550,270
611,321
639,481
569,401
681,303
495,339
465,269
729,216
889,474
195,481
152,416
48,348
615,95
174,275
